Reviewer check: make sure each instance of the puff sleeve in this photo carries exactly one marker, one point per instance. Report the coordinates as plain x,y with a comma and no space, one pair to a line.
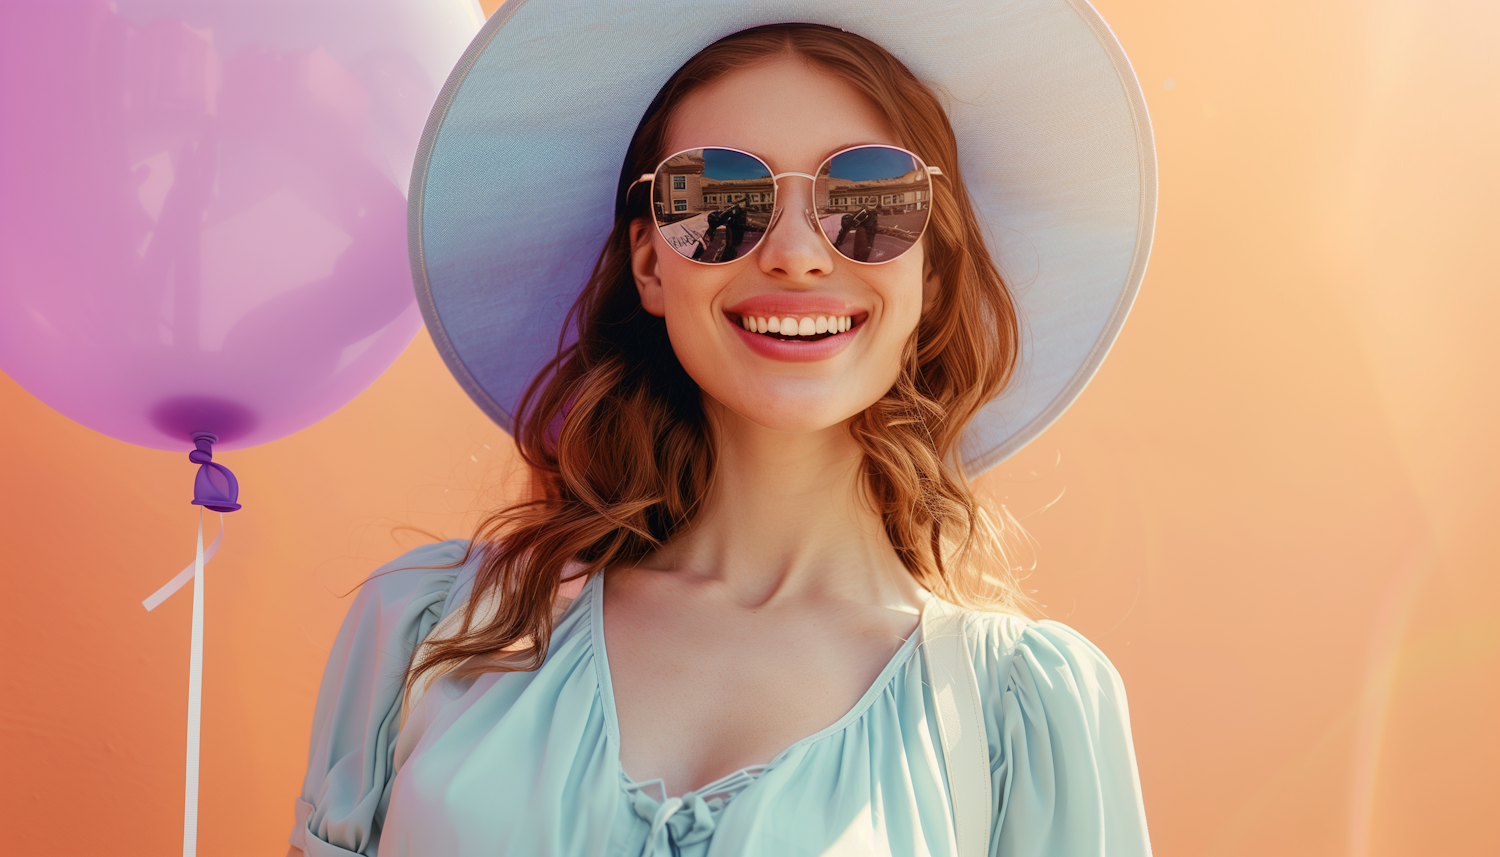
350,760
1063,770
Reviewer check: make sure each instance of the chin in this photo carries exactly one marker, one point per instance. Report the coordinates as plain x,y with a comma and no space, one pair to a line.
795,414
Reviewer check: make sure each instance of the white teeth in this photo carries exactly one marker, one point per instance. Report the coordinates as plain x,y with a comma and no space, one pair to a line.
805,326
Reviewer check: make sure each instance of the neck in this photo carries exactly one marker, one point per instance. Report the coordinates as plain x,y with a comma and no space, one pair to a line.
787,518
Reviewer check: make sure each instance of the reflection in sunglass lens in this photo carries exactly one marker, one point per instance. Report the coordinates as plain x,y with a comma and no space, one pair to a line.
873,202
713,205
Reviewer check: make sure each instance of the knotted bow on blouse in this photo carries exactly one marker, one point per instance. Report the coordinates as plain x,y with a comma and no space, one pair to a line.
675,822
686,820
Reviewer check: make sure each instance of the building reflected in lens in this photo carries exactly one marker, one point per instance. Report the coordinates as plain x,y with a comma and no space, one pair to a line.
713,205
682,190
873,220
903,194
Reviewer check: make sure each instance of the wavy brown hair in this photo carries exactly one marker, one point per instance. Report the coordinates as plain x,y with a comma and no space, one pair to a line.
614,429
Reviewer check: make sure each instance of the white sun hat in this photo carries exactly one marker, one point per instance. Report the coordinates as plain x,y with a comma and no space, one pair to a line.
513,191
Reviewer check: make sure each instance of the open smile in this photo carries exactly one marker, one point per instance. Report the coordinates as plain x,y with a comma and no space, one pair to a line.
797,339
790,328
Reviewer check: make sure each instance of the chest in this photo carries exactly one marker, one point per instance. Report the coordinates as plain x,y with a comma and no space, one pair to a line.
530,763
701,693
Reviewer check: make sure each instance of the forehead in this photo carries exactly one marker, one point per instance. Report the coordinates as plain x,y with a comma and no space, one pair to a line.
788,112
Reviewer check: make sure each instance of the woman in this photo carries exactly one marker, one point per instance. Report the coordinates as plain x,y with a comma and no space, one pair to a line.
751,466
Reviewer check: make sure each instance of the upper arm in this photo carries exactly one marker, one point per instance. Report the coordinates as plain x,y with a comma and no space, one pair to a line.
1062,759
350,755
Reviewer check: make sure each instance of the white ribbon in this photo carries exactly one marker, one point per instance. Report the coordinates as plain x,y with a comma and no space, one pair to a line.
186,574
659,829
194,573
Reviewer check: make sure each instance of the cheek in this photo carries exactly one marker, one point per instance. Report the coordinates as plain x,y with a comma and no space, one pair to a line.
688,292
901,285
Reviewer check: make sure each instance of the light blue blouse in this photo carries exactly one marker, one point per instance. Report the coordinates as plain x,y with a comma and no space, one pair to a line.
528,763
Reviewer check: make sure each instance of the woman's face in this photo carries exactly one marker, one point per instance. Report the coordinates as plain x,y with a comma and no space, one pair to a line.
792,116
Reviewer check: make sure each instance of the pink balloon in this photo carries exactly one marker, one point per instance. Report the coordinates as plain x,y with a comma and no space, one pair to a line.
203,205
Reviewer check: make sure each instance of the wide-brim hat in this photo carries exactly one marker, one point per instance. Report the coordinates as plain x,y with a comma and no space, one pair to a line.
520,161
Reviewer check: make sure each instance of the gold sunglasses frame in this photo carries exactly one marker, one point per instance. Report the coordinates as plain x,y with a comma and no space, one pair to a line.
650,178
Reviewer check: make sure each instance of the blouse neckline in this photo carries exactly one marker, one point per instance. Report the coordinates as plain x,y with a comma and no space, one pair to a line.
729,785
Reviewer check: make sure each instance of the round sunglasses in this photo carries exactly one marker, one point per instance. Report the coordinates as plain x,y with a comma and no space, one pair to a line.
714,205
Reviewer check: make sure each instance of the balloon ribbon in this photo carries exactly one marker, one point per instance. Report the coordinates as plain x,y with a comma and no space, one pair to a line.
170,587
194,573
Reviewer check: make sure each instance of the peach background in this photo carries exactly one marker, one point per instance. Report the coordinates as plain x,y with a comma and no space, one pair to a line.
1273,508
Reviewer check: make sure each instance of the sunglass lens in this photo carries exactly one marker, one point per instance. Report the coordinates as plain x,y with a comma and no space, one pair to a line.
873,202
713,205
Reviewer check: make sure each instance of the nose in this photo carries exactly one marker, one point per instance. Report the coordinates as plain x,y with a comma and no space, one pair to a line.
793,247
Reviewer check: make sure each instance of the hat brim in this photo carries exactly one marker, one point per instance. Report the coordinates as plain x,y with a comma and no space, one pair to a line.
1054,140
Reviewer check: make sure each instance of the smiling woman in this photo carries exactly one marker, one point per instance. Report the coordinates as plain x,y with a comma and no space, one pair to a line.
701,630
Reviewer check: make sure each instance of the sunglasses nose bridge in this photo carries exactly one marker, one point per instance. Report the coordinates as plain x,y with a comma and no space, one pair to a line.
781,206
776,181
779,176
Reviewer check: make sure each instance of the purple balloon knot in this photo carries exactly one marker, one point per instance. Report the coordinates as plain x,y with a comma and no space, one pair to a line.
214,487
204,454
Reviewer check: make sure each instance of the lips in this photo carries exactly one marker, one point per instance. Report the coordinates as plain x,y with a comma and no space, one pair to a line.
797,348
794,327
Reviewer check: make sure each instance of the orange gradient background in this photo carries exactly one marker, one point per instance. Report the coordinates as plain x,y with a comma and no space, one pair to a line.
1274,508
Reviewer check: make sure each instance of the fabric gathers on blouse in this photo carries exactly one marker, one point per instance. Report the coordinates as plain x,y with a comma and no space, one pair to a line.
528,762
